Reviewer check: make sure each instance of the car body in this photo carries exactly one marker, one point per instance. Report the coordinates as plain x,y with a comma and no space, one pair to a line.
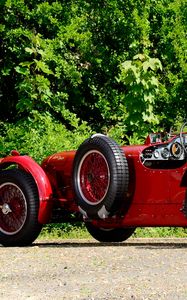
112,189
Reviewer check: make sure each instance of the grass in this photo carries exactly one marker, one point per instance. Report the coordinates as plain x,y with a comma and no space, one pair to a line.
64,231
160,232
79,231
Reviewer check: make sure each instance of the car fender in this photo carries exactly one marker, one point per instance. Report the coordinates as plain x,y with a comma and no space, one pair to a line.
43,184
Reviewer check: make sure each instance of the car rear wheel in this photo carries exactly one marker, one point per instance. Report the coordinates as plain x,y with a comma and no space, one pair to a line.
109,235
100,177
19,204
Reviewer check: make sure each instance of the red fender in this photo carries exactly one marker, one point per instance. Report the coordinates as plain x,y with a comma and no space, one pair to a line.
44,187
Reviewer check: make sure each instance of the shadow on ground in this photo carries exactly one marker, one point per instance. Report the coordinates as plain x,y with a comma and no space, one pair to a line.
141,243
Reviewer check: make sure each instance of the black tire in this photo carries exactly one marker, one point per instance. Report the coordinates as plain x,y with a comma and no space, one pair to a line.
100,177
114,235
19,205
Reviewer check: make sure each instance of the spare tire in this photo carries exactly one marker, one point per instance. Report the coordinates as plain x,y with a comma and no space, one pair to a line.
100,177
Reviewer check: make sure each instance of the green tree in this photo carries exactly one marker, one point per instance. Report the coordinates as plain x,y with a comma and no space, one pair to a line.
93,64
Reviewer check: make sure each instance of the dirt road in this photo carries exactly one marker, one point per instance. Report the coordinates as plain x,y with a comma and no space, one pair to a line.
137,269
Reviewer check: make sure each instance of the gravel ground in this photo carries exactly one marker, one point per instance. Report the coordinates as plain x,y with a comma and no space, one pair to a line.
137,269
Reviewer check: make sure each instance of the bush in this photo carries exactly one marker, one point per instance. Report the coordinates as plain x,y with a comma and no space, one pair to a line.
40,136
71,59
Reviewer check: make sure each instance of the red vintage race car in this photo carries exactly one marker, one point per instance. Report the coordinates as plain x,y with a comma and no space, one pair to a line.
112,189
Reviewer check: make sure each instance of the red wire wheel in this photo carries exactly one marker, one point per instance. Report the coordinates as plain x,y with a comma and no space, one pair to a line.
93,177
100,177
19,205
13,208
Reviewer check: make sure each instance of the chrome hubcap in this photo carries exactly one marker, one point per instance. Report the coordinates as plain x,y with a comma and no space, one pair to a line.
5,209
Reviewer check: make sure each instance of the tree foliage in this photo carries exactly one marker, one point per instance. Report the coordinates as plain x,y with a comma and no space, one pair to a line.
118,67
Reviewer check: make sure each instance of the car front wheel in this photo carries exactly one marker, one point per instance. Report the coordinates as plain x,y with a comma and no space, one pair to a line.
19,205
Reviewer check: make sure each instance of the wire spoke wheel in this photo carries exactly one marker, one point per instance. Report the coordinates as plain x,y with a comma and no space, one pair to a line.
19,206
93,177
13,208
100,177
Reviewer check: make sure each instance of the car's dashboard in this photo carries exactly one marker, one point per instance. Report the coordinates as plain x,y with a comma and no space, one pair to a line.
175,150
